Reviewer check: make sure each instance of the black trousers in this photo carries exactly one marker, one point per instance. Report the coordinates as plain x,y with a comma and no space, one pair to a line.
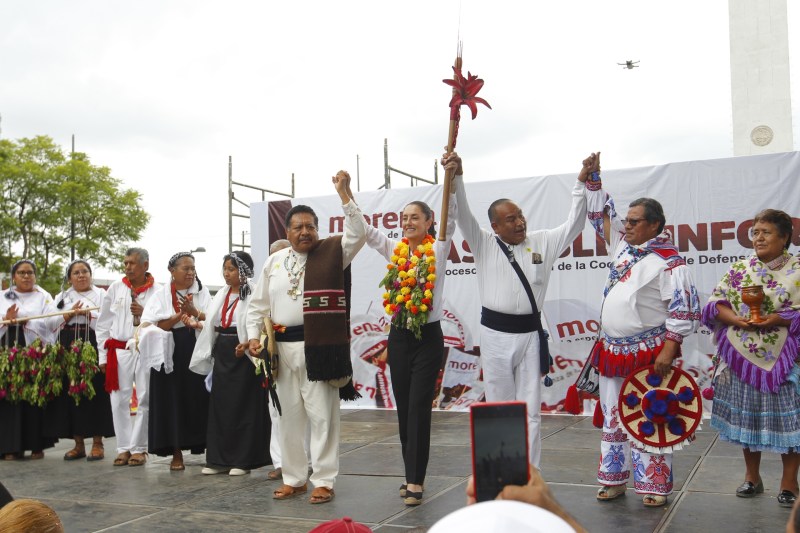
415,367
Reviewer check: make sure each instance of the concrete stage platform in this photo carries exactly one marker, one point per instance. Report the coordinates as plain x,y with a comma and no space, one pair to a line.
99,497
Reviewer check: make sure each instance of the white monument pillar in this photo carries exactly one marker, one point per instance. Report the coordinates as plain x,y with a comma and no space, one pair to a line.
760,95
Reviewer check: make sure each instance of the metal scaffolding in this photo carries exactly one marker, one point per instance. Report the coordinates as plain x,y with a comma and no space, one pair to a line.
232,198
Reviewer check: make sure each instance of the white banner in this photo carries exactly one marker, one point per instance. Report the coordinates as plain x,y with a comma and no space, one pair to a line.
709,207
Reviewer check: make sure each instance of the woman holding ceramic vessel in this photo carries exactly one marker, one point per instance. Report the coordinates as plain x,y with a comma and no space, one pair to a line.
757,380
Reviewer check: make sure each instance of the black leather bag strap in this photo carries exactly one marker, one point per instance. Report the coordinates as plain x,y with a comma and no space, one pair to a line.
544,351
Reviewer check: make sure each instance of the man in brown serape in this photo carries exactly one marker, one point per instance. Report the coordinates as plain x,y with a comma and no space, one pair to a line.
305,289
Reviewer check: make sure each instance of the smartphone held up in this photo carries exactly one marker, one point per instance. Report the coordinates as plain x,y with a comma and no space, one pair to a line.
499,447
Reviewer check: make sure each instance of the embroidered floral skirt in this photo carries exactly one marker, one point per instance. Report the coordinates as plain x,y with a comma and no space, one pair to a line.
760,421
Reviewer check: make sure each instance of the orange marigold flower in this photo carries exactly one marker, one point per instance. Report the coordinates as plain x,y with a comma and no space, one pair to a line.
426,301
417,253
429,286
414,309
432,269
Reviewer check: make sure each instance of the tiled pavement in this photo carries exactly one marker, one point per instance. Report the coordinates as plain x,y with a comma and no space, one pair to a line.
99,497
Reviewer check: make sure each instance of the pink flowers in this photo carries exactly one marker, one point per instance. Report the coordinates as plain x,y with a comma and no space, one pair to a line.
39,374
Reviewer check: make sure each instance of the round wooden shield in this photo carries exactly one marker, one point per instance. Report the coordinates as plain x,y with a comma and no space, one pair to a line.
660,413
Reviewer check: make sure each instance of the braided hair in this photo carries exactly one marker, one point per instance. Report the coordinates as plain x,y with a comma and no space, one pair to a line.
174,261
242,261
11,295
67,274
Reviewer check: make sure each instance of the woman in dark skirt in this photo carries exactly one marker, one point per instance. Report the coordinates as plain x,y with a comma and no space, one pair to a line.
63,418
238,419
22,424
178,399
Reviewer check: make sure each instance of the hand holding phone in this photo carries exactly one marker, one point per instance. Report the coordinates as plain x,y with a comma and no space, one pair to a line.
499,447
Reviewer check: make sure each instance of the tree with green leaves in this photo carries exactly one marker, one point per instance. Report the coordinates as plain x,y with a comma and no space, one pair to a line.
56,207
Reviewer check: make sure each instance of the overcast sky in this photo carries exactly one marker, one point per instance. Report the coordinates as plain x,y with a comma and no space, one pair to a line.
163,91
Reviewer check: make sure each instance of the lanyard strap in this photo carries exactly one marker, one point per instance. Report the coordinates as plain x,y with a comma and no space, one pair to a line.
544,351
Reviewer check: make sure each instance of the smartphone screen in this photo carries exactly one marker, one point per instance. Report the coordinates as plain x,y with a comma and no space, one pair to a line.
499,447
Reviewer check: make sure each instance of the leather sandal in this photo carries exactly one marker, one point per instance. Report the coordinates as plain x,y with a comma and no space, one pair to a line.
35,456
73,455
403,489
611,492
177,465
137,459
97,452
321,495
122,459
11,457
287,491
654,500
275,474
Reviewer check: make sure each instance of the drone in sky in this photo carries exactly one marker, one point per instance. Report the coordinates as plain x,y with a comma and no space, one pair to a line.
629,64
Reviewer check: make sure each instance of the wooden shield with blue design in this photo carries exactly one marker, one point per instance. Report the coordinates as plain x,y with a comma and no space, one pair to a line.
660,414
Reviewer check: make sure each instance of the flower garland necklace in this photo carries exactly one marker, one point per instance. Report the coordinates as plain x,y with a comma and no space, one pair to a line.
409,285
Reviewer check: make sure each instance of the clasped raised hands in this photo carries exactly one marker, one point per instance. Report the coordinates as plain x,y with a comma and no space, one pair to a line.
590,164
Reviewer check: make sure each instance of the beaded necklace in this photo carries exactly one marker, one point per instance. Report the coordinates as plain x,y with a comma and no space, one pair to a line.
295,272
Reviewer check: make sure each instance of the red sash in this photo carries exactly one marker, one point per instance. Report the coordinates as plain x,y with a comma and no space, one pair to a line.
112,372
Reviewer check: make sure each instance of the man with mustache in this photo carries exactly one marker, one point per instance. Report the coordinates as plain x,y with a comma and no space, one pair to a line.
514,352
304,289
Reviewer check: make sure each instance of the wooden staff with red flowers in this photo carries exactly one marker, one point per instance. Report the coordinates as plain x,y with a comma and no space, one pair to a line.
465,92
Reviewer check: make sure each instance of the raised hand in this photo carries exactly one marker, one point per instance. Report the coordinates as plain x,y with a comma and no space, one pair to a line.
452,161
341,181
590,164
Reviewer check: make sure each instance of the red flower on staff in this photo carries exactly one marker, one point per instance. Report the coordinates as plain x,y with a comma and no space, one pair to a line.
465,91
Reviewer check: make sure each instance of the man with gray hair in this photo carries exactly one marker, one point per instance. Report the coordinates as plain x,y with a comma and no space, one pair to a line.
119,316
650,304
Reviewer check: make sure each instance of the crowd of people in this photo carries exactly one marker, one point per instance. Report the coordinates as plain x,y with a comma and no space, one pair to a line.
193,358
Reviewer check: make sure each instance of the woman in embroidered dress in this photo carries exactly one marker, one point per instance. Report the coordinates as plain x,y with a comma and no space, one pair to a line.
756,385
238,418
64,419
21,424
416,276
178,399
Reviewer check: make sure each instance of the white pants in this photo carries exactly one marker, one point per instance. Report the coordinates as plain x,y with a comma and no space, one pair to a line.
510,364
303,403
652,473
275,438
131,431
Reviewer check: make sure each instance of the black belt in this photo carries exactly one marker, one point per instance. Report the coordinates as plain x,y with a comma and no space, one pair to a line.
510,323
290,334
226,331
